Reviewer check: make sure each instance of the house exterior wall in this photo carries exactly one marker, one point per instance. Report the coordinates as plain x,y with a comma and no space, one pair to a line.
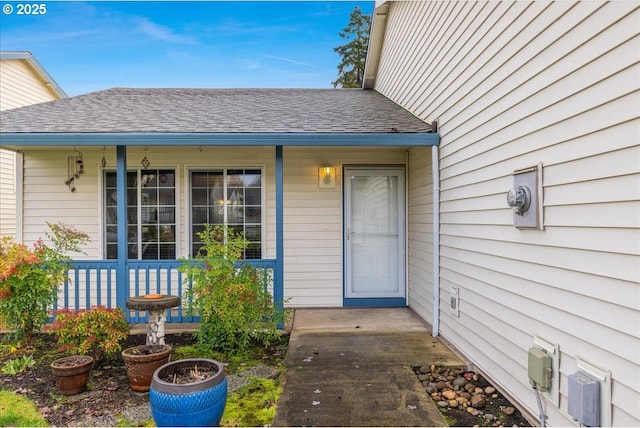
420,232
512,85
7,193
312,216
19,86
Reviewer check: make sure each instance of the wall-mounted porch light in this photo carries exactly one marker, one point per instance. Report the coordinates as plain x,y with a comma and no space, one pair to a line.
327,177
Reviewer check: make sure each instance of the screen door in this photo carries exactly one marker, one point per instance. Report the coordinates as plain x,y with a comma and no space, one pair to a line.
374,233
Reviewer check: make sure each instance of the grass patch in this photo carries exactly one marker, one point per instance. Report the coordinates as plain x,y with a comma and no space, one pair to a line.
19,411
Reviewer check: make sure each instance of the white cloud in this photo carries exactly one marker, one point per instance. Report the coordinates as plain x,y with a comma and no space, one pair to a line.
158,32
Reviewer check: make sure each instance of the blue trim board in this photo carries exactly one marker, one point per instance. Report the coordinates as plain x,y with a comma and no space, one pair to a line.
10,139
278,286
375,302
122,280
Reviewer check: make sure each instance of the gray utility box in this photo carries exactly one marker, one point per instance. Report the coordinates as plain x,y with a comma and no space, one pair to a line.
539,369
584,399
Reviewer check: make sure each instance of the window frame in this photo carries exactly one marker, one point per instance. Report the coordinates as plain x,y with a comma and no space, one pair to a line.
103,210
188,238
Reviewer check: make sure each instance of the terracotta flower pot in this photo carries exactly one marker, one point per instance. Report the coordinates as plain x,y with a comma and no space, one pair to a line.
141,361
72,373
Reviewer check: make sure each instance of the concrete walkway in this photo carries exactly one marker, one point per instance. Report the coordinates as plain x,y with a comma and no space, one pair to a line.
352,367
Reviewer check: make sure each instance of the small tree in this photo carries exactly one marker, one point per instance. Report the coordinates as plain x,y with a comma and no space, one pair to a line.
353,53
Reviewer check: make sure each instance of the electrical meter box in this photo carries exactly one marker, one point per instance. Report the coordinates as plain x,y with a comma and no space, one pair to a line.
584,399
539,369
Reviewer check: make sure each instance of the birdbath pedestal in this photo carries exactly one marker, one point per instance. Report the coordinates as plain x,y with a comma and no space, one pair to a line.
156,304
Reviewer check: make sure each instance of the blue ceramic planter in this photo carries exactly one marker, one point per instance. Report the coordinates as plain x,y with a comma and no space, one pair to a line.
199,403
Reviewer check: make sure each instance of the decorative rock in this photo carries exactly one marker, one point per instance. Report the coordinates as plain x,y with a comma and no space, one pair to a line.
424,370
422,377
472,411
475,378
443,403
469,387
478,390
488,417
440,385
494,396
449,395
460,382
465,395
431,388
478,400
509,410
453,403
489,390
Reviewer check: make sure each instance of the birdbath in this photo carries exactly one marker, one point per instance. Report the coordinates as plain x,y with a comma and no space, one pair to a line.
156,304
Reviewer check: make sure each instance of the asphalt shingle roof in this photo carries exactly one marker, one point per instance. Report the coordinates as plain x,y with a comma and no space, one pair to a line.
122,110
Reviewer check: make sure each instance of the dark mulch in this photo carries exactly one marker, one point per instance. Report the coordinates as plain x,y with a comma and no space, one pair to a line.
108,391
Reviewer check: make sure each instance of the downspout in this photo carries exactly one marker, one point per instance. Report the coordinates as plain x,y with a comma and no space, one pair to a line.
435,171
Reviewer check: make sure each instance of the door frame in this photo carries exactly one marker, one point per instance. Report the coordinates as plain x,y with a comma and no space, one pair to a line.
375,301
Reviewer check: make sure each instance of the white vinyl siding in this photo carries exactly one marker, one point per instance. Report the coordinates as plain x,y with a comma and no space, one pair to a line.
420,232
7,193
512,85
21,86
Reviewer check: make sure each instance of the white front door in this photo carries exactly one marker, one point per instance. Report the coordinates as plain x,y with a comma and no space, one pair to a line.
374,236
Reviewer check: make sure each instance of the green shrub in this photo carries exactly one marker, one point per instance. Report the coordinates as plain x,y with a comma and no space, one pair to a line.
229,295
29,278
99,331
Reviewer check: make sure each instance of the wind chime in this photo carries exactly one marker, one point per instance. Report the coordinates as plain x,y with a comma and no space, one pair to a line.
75,168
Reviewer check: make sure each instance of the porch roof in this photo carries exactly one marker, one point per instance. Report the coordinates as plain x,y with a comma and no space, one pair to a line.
135,116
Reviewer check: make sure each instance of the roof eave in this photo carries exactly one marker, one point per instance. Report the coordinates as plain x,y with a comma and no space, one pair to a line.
376,37
16,140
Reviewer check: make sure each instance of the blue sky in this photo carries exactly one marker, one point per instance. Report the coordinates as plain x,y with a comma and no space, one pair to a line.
90,46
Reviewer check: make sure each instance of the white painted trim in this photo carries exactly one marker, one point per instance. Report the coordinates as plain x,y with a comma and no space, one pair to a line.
435,171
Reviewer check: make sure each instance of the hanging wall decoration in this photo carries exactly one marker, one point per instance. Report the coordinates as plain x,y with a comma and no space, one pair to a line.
75,168
103,162
145,162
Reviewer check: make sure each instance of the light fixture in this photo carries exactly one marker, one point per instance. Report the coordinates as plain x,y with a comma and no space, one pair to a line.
327,177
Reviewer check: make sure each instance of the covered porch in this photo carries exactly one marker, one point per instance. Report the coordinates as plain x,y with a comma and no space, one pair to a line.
287,139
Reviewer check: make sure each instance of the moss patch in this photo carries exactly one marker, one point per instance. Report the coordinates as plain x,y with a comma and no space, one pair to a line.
252,405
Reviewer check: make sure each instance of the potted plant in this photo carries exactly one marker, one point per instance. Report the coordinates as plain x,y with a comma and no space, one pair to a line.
141,361
230,295
190,392
72,373
98,332
29,278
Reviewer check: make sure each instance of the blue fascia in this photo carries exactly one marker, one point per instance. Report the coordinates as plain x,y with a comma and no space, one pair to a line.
10,139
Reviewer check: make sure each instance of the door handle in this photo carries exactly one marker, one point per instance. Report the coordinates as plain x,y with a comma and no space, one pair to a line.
349,233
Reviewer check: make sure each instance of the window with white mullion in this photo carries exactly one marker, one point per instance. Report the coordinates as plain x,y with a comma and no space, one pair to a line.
151,206
228,196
